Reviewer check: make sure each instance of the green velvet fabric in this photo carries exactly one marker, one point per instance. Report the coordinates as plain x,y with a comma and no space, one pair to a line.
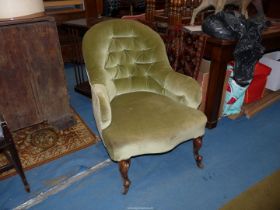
140,104
145,122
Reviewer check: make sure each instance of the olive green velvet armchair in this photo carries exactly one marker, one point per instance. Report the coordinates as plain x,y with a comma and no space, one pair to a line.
141,106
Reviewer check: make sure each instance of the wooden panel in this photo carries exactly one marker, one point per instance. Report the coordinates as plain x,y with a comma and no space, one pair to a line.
272,8
50,4
32,82
17,90
94,8
64,10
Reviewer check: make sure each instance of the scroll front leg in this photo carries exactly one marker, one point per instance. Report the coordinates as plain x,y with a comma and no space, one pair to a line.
123,167
197,143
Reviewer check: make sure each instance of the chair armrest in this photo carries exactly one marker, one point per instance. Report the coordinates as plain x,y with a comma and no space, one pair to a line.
101,106
183,89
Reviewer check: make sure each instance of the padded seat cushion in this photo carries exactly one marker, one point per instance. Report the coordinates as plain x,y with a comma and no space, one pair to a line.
145,122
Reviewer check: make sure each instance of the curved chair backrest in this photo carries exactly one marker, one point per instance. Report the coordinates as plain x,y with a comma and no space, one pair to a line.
125,56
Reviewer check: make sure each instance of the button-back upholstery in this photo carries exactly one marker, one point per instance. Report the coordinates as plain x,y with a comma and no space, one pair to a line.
140,104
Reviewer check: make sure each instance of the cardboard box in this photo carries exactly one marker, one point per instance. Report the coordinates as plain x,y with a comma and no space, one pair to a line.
203,78
273,61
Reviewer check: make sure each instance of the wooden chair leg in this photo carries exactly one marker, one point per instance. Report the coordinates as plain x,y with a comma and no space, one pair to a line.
16,161
197,143
123,167
11,153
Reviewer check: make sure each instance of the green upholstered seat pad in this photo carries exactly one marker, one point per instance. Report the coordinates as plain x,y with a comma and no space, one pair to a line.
145,122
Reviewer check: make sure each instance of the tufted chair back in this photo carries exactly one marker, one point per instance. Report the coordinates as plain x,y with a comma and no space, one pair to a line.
126,58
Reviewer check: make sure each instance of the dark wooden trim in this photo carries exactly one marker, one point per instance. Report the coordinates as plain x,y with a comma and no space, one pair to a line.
123,167
197,144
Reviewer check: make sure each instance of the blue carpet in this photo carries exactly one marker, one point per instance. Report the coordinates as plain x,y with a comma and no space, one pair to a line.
237,154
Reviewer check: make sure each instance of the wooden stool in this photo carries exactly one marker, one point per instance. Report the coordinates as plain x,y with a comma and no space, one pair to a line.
7,146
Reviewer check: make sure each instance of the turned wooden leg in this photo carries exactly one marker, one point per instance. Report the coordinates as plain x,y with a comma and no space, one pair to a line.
197,143
13,158
123,167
